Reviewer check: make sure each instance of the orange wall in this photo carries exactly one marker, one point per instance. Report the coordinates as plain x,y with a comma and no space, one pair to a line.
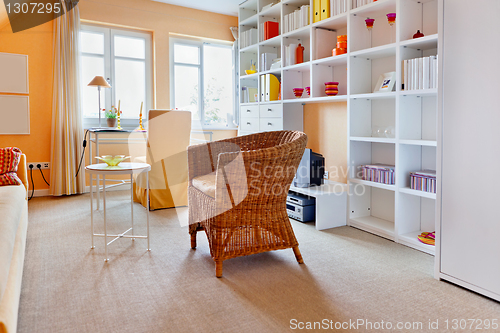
37,44
152,16
326,127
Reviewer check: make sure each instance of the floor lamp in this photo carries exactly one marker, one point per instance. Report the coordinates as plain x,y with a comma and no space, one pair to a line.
99,82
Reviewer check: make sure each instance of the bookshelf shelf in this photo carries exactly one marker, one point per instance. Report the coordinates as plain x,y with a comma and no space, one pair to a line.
423,194
374,225
373,184
408,117
410,239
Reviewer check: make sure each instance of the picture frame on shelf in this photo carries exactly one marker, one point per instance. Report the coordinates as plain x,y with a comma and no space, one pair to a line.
385,82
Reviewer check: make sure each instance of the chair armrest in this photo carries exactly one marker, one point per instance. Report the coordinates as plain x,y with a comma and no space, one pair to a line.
199,162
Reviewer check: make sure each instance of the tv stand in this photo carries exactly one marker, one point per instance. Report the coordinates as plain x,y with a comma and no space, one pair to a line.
331,203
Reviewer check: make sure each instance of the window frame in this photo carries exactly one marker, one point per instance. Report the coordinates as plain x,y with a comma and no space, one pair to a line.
110,72
198,42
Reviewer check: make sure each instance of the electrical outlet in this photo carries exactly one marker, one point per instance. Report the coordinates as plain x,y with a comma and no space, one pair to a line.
325,175
43,165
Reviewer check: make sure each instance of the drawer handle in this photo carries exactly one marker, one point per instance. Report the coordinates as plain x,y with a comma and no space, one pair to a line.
269,110
249,111
248,123
269,124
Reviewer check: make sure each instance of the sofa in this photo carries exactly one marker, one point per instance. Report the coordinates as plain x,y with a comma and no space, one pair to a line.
13,227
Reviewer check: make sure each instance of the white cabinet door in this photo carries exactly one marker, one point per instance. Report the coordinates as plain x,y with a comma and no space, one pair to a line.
470,223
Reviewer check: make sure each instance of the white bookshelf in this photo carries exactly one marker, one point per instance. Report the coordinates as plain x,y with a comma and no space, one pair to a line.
397,127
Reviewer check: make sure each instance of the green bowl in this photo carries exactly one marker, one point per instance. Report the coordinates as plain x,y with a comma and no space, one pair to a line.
113,160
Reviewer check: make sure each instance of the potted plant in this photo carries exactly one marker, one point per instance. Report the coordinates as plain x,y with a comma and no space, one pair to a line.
111,116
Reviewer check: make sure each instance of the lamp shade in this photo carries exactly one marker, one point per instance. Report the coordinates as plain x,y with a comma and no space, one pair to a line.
99,81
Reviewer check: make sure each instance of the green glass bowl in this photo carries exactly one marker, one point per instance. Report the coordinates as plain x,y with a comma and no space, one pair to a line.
112,160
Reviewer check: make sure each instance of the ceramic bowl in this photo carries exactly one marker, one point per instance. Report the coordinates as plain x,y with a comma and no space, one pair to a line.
249,71
298,92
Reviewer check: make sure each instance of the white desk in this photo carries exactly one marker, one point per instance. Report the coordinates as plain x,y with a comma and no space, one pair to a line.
331,203
122,169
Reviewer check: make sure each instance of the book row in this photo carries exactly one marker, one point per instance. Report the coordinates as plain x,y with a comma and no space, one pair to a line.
424,180
248,37
379,173
359,3
296,20
420,73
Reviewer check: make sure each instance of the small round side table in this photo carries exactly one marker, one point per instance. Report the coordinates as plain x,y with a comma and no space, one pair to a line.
121,169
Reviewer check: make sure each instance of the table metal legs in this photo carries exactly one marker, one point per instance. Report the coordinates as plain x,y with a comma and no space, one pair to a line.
123,235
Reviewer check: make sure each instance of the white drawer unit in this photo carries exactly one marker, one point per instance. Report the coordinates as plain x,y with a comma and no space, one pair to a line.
271,124
249,124
249,111
271,110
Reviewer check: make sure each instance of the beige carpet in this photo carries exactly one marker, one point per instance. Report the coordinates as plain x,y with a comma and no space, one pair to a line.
348,275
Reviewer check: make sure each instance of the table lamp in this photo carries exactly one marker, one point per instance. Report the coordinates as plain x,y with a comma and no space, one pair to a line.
99,82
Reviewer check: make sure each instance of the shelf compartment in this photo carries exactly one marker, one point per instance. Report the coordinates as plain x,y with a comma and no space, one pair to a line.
415,215
410,239
423,194
323,73
365,73
363,152
381,34
422,43
414,158
418,14
250,49
373,120
247,11
418,119
295,77
372,209
251,21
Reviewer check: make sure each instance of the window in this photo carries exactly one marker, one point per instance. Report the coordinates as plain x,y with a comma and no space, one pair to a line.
198,64
123,57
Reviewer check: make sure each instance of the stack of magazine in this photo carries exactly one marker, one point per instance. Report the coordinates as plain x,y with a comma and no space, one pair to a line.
424,180
379,173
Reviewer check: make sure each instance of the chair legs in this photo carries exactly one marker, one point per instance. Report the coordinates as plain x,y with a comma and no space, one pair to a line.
298,256
193,240
218,268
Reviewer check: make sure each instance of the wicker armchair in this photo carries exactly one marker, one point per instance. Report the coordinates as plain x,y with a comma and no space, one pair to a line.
237,193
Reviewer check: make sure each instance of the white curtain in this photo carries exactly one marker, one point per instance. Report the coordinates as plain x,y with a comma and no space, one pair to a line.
67,129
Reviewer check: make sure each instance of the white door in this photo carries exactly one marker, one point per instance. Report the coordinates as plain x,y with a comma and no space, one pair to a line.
470,223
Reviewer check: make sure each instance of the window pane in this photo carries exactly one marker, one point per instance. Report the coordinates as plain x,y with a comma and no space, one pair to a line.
92,42
186,89
91,66
218,83
130,47
187,54
130,86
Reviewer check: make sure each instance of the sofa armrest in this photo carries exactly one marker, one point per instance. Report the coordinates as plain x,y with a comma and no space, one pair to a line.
22,171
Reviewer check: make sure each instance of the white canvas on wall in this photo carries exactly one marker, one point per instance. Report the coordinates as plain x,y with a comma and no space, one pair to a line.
15,115
14,73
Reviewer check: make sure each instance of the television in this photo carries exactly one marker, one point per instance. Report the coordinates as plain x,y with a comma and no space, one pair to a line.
310,171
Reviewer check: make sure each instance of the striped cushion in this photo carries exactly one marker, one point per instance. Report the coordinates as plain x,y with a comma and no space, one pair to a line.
9,160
